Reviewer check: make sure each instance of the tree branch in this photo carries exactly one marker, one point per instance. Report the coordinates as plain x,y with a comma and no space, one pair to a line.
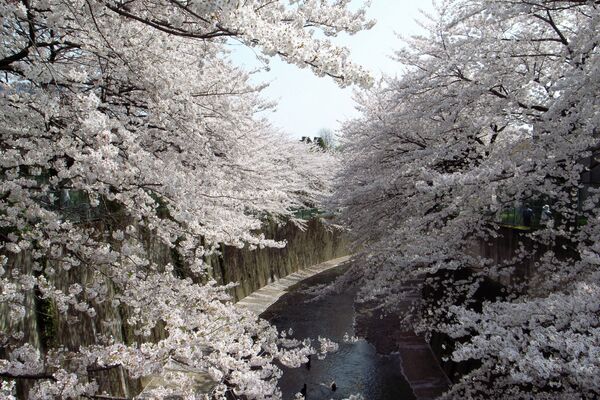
40,376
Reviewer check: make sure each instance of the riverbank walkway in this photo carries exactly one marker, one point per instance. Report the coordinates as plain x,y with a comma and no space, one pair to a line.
265,297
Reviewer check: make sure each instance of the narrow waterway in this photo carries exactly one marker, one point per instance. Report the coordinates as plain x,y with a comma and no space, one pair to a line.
356,368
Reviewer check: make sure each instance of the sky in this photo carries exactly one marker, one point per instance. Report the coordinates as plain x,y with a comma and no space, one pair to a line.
307,103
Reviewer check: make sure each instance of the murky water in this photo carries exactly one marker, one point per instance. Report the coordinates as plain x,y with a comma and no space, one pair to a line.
355,368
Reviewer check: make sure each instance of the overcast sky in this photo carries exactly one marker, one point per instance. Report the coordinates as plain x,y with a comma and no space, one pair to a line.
306,103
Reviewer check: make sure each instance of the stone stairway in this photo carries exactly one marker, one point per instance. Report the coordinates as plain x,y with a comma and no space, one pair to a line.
419,365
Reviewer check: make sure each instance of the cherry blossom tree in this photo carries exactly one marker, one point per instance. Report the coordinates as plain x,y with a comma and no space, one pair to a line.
497,105
127,132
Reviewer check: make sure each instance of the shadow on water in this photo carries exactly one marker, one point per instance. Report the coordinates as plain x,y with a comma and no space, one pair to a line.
356,367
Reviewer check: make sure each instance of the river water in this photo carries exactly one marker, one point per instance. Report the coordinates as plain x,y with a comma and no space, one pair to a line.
356,368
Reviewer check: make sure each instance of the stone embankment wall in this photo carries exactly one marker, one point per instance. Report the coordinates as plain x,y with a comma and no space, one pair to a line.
46,328
516,254
257,268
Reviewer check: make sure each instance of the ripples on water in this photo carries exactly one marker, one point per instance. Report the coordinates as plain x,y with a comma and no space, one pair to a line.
356,367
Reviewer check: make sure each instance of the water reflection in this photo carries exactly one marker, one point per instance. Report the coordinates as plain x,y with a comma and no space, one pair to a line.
355,368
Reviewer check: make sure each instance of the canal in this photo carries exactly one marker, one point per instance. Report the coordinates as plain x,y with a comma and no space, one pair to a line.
356,368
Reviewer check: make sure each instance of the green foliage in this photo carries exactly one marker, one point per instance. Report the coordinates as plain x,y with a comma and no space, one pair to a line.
307,213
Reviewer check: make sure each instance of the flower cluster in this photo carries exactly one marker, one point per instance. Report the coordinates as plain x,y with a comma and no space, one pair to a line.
498,108
129,152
